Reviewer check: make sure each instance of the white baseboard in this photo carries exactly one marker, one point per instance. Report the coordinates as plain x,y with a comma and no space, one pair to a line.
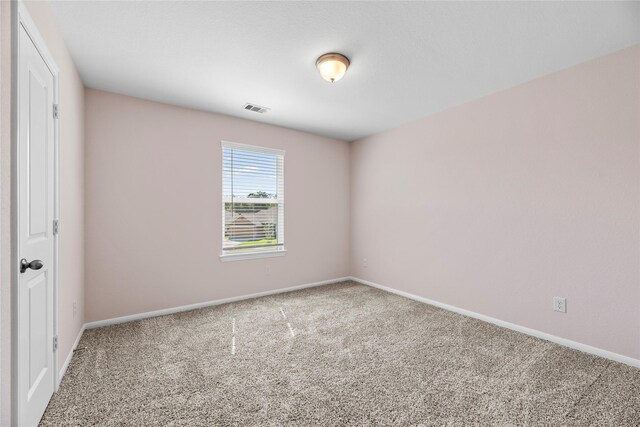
67,361
533,332
172,310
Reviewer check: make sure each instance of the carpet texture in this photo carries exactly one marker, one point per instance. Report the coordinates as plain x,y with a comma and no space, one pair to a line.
337,355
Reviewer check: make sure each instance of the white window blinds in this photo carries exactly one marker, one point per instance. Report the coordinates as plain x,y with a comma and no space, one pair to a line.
252,199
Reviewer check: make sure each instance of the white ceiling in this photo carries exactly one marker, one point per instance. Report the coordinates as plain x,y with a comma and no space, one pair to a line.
408,59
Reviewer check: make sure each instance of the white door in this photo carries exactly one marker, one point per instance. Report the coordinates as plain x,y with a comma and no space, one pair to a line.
35,233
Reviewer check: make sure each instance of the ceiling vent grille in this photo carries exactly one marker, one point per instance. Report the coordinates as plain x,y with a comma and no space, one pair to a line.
255,108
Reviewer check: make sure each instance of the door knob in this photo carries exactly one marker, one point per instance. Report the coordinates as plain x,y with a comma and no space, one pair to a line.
36,264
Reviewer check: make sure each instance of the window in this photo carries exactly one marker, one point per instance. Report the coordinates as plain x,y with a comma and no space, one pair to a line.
253,201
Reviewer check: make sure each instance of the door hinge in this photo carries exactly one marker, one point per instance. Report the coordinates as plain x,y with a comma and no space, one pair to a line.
56,226
55,111
55,343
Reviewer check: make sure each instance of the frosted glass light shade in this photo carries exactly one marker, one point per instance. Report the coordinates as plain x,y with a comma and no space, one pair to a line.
332,66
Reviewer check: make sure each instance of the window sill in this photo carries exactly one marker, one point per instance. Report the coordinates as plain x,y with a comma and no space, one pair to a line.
252,255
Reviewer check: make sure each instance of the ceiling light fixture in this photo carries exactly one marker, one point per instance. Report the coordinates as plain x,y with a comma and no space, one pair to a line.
332,66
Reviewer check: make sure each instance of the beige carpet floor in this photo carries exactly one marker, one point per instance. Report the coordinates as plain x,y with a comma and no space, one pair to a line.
337,355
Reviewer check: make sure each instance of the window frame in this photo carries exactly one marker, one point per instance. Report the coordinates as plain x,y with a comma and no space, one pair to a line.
255,252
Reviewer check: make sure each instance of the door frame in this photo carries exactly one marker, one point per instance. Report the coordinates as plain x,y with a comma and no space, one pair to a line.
22,18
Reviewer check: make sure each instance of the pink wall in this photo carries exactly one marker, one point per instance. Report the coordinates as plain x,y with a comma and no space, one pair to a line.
5,212
501,204
71,192
71,272
153,207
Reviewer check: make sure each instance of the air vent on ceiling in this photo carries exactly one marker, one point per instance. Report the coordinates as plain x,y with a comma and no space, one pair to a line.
255,108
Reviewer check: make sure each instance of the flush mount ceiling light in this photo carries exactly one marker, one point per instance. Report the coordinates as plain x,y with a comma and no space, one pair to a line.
332,66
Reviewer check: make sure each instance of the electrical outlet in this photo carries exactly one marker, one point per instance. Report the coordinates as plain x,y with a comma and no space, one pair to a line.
560,304
75,309
267,270
364,263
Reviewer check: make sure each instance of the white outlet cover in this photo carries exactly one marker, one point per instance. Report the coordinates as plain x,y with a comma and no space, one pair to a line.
560,304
